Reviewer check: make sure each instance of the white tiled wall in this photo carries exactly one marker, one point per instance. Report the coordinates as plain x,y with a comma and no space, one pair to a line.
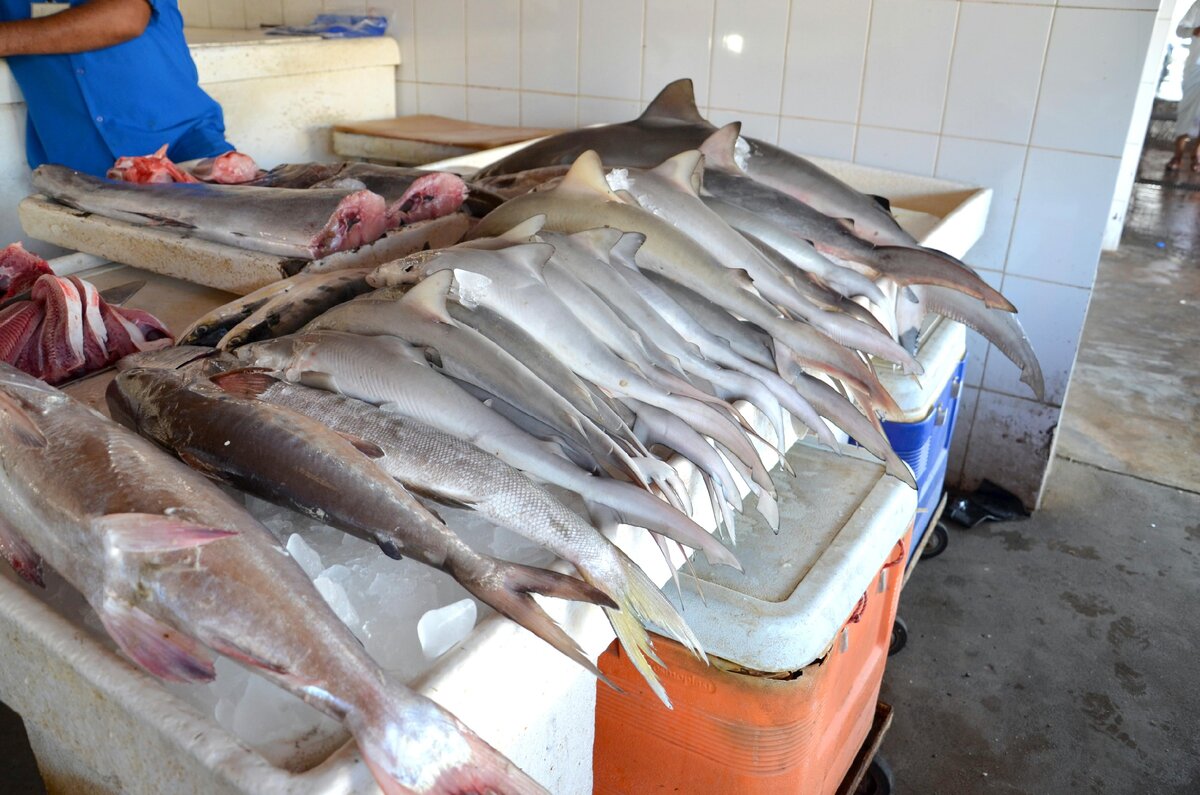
1043,101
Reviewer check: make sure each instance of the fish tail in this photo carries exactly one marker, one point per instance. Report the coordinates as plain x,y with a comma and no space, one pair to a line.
412,746
908,266
509,588
641,603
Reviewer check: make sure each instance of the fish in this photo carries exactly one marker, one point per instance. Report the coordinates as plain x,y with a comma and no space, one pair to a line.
668,190
509,282
906,265
419,317
230,168
293,460
305,224
209,328
389,373
672,123
19,269
450,472
177,570
307,296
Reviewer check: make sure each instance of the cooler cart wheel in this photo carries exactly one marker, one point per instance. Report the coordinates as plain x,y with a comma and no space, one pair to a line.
899,637
877,780
937,543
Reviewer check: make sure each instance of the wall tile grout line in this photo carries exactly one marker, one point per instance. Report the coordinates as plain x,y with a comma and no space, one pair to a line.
862,82
937,152
712,44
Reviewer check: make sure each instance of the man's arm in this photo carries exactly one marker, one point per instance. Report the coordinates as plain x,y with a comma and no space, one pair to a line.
91,26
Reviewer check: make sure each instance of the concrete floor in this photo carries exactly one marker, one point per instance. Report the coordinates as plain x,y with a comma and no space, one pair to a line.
1057,654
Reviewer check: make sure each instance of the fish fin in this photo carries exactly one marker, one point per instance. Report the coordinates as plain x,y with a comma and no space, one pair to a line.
428,297
681,170
676,102
161,151
643,603
21,423
441,498
198,464
882,201
25,561
522,232
364,446
530,256
626,248
508,589
152,532
247,382
719,148
769,508
600,240
159,648
317,380
586,178
247,658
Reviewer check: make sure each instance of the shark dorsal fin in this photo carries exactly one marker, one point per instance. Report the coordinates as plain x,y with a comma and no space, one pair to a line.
683,170
428,297
598,241
627,247
586,178
532,257
676,102
522,232
719,149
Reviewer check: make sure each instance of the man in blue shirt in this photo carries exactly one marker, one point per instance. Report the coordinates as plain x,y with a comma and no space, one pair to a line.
108,78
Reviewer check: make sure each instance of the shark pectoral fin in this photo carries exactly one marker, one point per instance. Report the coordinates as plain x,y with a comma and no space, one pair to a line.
159,648
248,382
26,562
20,422
317,379
364,446
150,532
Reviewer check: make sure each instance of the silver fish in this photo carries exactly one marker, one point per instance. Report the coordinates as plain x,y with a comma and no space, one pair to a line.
448,471
387,372
176,570
291,459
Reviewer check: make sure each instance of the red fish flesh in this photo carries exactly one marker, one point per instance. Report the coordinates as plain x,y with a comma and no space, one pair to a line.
148,168
231,168
19,270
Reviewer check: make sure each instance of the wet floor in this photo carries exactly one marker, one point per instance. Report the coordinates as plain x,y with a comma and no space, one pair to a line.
1057,654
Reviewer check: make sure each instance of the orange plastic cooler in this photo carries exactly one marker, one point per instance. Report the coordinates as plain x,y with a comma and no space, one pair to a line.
797,648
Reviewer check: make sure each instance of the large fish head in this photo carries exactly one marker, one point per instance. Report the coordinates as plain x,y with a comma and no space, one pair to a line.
134,396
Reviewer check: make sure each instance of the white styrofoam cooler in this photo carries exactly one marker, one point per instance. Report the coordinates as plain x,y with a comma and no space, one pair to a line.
98,724
942,346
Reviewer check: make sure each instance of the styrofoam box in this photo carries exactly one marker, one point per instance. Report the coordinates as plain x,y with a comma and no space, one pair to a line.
99,724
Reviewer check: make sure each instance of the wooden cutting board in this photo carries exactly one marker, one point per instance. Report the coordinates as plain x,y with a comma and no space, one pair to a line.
442,131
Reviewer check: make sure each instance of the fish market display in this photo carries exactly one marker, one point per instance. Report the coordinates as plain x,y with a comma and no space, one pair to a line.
306,224
177,571
632,297
62,328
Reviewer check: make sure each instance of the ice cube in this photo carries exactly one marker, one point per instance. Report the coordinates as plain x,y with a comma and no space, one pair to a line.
305,555
441,628
335,594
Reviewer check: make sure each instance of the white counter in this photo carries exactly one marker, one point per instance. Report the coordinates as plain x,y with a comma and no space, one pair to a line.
280,95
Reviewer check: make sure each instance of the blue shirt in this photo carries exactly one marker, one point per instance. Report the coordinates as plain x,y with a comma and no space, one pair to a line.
87,109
